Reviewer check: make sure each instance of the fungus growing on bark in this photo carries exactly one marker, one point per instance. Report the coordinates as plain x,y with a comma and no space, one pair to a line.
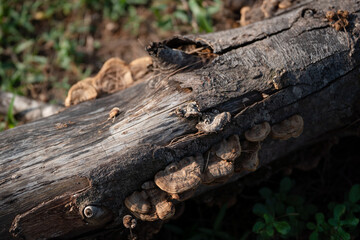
228,149
140,67
138,202
115,75
218,170
212,124
113,113
180,176
221,160
80,92
291,127
249,159
258,132
159,199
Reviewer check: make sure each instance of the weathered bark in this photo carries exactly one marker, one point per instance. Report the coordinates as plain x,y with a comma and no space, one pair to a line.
52,168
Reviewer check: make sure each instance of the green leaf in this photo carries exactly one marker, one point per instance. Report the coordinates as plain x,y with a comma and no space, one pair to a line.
265,192
352,222
268,218
354,194
269,230
23,46
282,227
260,209
343,235
314,236
258,226
339,210
311,226
285,185
320,218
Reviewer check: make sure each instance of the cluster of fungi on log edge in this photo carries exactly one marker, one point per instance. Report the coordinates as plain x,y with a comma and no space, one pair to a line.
179,180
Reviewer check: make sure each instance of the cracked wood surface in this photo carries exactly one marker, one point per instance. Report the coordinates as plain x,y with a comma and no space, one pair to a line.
301,63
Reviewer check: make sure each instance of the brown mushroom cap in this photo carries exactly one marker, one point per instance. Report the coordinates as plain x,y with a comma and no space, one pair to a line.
137,202
291,127
181,176
217,169
228,149
139,67
249,159
114,75
80,92
149,217
258,132
159,199
165,210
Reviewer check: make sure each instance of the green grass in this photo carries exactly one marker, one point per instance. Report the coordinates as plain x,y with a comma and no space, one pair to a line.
43,41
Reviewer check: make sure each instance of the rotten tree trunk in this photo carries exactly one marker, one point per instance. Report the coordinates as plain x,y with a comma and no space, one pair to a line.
294,63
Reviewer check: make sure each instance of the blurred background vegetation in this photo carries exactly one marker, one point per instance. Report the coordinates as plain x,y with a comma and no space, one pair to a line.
48,45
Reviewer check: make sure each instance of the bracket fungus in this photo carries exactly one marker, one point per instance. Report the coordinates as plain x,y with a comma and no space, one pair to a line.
291,127
249,159
80,92
258,132
159,199
218,170
114,75
150,204
221,160
180,176
212,124
140,67
137,202
228,149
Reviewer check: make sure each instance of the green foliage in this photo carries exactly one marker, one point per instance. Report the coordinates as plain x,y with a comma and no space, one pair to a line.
287,216
39,35
343,222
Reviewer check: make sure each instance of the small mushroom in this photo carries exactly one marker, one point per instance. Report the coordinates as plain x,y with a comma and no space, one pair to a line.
115,75
80,92
180,176
217,169
212,124
113,113
140,67
249,159
137,202
129,222
228,149
291,127
258,132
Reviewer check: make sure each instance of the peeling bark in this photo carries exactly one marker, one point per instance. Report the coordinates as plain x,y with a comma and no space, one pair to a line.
294,63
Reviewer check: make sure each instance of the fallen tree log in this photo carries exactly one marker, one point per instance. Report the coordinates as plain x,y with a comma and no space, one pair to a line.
67,175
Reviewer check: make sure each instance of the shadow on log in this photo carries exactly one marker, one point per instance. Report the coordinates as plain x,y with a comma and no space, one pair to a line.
65,182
